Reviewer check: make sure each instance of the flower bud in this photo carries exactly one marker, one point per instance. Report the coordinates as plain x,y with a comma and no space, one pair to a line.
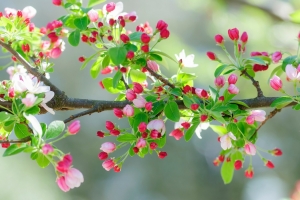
219,39
118,112
232,89
108,147
276,83
269,164
130,95
124,38
153,65
194,106
114,132
74,127
250,149
141,143
244,37
276,56
128,111
130,55
93,15
109,125
164,34
57,2
153,145
186,125
145,38
142,127
161,25
148,106
211,55
177,134
47,148
203,118
102,155
108,164
232,79
276,152
110,7
220,81
162,154
238,164
137,88
233,34
100,134
249,173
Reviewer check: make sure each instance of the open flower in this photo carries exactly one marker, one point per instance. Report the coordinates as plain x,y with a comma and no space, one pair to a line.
292,73
202,126
256,115
186,61
226,140
157,124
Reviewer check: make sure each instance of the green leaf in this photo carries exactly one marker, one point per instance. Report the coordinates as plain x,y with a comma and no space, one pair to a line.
87,60
138,118
9,126
154,56
55,128
4,116
288,60
295,16
227,171
185,77
34,155
157,107
165,55
218,116
162,141
281,102
236,156
74,38
296,107
187,101
126,138
137,76
220,130
21,131
135,37
33,110
232,127
42,160
81,23
257,60
227,96
14,149
214,93
93,3
239,103
117,54
176,91
131,47
190,132
219,70
276,70
117,77
172,111
106,61
96,67
108,85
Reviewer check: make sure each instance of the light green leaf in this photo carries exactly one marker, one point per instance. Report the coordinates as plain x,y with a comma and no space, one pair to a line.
219,70
108,85
117,54
55,128
93,3
42,160
227,171
74,38
257,60
14,149
137,76
126,138
220,130
117,77
281,102
162,141
21,131
190,132
295,16
81,23
87,60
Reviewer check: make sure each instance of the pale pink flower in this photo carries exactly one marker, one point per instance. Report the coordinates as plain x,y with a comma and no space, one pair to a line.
186,61
128,111
108,164
141,143
55,52
130,17
157,124
292,73
225,140
114,14
93,15
29,100
250,149
29,12
47,148
232,89
110,7
61,182
139,102
73,178
259,115
130,95
11,11
153,65
276,56
276,83
108,147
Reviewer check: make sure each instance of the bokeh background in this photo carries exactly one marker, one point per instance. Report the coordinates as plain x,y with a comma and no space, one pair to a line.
187,172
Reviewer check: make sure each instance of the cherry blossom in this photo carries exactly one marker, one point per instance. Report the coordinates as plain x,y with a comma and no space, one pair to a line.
186,61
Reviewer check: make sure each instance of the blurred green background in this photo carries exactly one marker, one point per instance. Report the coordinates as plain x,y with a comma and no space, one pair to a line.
187,172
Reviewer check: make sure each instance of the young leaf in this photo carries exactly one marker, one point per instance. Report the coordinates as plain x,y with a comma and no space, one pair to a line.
281,102
14,149
190,132
126,138
176,91
232,127
172,111
220,130
92,3
96,67
227,171
137,76
288,60
108,85
4,116
87,60
42,160
81,23
219,70
257,60
74,38
117,54
162,141
21,131
55,128
117,77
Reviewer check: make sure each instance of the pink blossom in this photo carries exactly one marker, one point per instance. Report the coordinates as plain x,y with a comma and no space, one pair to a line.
148,106
232,89
73,178
130,17
177,134
137,88
153,65
47,148
55,53
276,83
108,164
142,127
118,112
57,2
225,140
10,11
201,93
220,81
93,15
232,79
292,73
258,115
29,100
157,124
61,182
108,147
250,149
130,95
110,6
74,127
128,111
276,56
64,164
29,12
139,102
141,143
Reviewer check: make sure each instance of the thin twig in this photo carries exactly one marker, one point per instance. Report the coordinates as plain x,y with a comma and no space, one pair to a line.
256,84
26,139
271,114
159,77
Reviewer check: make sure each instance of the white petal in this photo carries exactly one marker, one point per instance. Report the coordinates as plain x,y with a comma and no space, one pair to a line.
50,110
198,131
35,123
204,125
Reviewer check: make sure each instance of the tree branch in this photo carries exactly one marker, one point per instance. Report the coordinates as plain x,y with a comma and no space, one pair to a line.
255,83
159,77
26,139
271,114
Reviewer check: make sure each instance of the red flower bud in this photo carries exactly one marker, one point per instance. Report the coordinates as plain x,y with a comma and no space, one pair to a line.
194,106
249,173
164,34
203,118
162,154
145,38
102,155
100,134
238,164
244,37
276,152
219,39
118,112
145,48
109,125
81,59
269,164
124,38
233,34
130,55
161,25
153,145
137,88
211,55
